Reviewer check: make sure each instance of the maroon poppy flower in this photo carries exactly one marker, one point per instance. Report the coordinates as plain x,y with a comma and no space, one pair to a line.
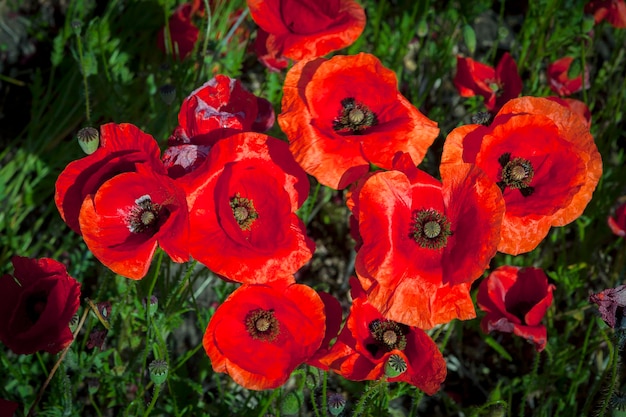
307,29
515,300
261,333
496,86
617,223
346,112
613,11
8,408
130,215
425,241
123,147
560,82
242,204
371,347
611,303
183,34
36,305
218,109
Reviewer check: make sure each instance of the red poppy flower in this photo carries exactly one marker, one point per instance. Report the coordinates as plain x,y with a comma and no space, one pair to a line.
333,312
613,11
371,347
559,80
261,333
496,86
515,300
242,205
182,33
611,303
271,60
617,223
123,147
36,306
130,215
308,29
344,113
425,242
577,106
542,157
8,408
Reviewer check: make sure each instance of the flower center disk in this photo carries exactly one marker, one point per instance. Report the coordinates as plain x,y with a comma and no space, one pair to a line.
262,325
145,216
517,173
243,211
354,117
388,334
430,229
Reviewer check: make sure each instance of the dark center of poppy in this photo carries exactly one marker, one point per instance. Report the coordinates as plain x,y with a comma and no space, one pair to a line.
520,309
517,173
388,335
146,216
243,211
354,117
35,305
430,229
262,325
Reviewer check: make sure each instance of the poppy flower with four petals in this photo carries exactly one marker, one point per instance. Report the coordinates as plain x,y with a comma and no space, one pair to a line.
425,241
559,77
515,300
346,112
261,333
542,157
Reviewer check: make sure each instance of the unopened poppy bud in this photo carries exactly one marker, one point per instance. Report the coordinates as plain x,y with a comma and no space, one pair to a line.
167,93
152,306
93,385
336,403
469,36
158,371
422,28
77,25
396,365
291,403
88,139
74,323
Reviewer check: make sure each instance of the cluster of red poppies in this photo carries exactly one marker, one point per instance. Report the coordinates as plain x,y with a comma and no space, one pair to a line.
226,194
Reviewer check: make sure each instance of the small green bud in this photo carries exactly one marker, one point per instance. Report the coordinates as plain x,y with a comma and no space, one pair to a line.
158,371
336,403
93,385
77,26
167,93
88,139
575,68
422,28
395,366
152,305
469,36
291,403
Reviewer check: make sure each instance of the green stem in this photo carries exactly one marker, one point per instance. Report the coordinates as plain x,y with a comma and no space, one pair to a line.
79,44
324,394
155,395
533,376
269,402
614,353
369,392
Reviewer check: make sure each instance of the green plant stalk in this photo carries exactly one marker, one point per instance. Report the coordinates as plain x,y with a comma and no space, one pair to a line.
269,402
613,381
155,395
583,354
325,394
79,44
533,376
369,392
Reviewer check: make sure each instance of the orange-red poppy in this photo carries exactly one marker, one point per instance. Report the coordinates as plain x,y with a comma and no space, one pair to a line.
306,29
576,106
559,78
346,112
425,241
130,215
515,300
261,333
242,204
613,11
371,347
542,157
496,86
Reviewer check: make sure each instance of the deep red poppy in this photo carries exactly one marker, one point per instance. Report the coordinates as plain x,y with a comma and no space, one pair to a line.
613,11
183,34
8,408
577,106
611,303
559,80
369,343
307,29
496,86
542,157
123,147
261,333
617,222
242,205
515,300
130,215
346,112
333,312
271,60
218,109
37,303
425,241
